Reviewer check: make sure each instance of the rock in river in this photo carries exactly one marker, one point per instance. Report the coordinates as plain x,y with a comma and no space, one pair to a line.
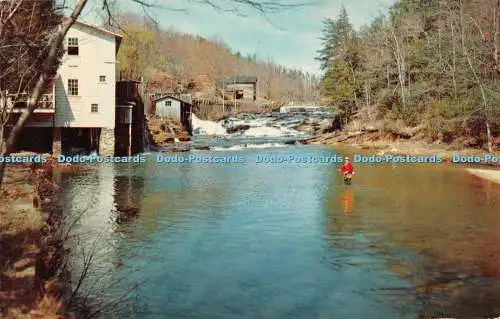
329,125
237,128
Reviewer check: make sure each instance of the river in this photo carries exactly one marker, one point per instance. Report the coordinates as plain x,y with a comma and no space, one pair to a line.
254,240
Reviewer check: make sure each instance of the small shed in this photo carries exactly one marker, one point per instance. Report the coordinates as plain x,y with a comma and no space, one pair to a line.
244,86
174,108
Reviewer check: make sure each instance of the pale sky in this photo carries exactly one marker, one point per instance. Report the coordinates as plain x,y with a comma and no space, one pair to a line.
292,40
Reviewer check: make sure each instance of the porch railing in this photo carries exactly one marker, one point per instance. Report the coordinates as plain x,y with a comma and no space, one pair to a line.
20,101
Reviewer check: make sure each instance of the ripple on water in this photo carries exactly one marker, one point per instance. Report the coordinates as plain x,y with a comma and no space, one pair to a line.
276,241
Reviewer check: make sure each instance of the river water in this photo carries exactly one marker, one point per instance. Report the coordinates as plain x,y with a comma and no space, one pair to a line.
289,241
256,240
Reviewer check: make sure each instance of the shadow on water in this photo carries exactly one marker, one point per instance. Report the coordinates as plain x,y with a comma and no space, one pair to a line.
128,194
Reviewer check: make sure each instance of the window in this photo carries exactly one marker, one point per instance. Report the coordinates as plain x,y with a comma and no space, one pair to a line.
72,86
94,108
168,103
72,46
102,78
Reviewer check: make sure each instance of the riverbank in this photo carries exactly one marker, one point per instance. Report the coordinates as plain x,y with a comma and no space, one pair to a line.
384,145
32,276
390,144
164,131
488,174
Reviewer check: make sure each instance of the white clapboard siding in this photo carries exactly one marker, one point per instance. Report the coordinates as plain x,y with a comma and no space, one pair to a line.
97,56
172,111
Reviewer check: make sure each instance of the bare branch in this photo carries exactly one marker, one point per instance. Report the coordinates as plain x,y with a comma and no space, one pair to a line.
49,66
13,11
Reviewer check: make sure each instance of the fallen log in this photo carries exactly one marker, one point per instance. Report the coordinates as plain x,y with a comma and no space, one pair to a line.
399,134
349,136
370,130
405,132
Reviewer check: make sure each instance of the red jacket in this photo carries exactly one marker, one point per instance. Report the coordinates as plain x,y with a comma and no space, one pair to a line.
347,168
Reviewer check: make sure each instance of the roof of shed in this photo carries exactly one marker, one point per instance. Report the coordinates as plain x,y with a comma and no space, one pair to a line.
241,79
172,98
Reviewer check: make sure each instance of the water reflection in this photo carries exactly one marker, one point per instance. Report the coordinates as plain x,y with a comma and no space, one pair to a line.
291,241
347,200
101,201
128,194
449,219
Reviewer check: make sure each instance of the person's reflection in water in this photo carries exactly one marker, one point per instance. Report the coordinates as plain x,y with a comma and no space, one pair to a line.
347,201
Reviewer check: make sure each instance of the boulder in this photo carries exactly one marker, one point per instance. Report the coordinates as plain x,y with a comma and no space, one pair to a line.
472,142
307,128
327,125
183,137
331,124
169,139
201,147
237,128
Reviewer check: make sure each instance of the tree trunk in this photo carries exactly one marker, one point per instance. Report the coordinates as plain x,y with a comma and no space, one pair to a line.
353,73
486,109
388,77
496,16
490,139
398,55
454,68
462,27
49,65
2,151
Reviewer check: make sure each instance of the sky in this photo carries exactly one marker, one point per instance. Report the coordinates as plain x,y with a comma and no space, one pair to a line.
291,39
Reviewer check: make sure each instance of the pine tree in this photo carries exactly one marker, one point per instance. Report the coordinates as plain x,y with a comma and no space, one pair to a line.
340,61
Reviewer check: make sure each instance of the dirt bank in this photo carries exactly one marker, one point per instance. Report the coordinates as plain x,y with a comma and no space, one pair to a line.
489,174
32,280
165,131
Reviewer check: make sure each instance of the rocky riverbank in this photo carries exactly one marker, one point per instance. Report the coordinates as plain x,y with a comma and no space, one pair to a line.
398,140
165,131
167,134
387,144
33,279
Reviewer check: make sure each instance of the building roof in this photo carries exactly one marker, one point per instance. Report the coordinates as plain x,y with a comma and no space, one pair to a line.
241,79
118,37
170,97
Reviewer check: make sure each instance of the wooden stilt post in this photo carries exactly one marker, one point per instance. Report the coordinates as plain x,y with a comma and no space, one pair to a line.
130,139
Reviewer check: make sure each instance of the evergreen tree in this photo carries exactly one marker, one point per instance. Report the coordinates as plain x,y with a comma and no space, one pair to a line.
340,61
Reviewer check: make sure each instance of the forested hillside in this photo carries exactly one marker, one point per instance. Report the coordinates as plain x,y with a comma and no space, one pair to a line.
185,62
433,63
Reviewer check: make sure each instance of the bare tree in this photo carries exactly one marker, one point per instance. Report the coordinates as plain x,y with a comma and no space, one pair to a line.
47,70
28,60
23,27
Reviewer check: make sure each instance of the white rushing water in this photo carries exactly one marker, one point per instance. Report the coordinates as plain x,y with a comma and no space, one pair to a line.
248,131
247,146
267,131
201,127
259,127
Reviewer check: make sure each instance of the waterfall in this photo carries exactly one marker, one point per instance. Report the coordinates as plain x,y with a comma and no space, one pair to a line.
201,127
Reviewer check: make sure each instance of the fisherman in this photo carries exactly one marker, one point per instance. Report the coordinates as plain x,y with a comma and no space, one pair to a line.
348,170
